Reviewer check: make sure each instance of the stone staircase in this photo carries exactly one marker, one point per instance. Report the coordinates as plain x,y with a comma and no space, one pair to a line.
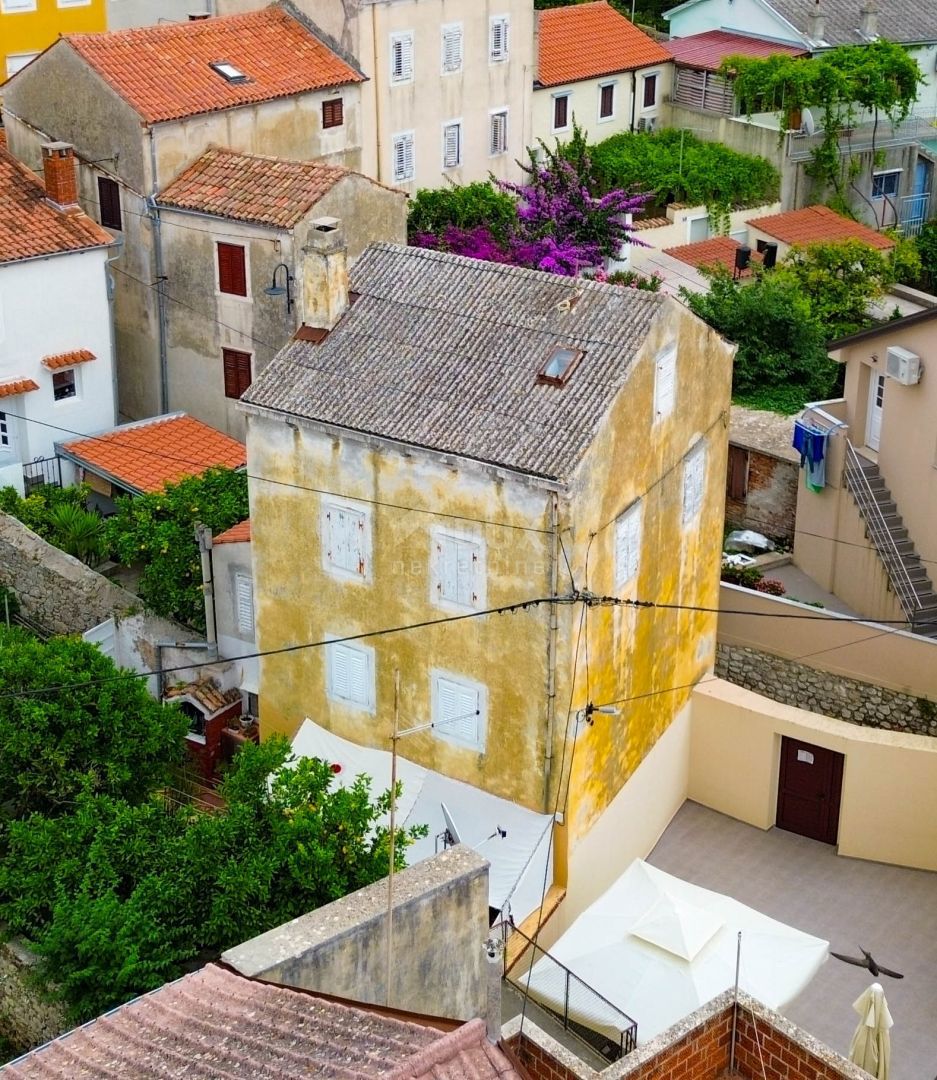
884,527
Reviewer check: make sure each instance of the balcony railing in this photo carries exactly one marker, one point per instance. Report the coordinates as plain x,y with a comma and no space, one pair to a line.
912,213
864,136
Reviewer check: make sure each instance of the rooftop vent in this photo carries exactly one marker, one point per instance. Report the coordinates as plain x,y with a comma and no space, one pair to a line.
559,365
229,72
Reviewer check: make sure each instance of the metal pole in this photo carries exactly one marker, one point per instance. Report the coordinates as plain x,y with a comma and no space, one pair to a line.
735,1004
393,814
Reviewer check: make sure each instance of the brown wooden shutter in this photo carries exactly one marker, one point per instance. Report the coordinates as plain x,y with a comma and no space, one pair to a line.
109,202
232,274
561,111
237,372
333,113
737,479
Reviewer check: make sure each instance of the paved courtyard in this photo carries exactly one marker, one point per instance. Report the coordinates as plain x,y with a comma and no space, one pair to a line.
891,912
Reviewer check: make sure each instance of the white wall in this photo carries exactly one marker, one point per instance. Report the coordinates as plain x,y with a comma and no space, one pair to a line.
745,16
125,13
51,306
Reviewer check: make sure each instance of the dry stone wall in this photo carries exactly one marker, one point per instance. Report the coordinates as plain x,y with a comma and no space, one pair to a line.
820,692
26,1020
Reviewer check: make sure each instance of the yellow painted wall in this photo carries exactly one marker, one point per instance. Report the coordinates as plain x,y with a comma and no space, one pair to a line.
25,32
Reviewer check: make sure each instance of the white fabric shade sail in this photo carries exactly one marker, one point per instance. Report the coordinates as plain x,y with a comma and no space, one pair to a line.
657,948
521,859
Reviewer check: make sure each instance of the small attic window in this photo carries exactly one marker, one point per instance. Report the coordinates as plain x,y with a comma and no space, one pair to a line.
559,365
229,71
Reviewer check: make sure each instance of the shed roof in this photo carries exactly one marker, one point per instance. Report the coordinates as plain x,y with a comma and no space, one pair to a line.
165,72
586,41
818,224
31,225
237,534
443,352
766,432
706,51
148,455
716,251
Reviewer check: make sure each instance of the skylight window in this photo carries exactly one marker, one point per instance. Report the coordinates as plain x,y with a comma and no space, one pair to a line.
559,365
229,71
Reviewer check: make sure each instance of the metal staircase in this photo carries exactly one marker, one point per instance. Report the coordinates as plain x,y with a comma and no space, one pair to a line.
886,530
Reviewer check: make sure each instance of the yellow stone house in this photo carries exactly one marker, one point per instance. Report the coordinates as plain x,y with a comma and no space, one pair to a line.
29,26
451,437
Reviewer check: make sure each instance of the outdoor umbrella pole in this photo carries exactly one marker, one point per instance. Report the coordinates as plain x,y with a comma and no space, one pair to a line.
735,1004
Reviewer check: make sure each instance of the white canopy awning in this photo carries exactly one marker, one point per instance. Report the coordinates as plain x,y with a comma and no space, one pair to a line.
516,841
657,948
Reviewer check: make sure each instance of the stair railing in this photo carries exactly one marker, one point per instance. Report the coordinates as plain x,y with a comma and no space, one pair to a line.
879,533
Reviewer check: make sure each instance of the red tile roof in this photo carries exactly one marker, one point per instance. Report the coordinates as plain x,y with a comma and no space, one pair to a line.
817,224
31,226
17,386
146,456
68,359
237,534
586,41
163,71
716,251
206,692
3,139
707,51
463,1054
248,187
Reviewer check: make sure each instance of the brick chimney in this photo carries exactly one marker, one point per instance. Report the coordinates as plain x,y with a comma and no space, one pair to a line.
58,166
816,24
868,21
325,274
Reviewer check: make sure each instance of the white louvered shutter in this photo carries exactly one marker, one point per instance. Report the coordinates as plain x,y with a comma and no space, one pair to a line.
452,48
347,539
244,598
628,545
665,383
339,676
401,57
452,146
498,38
694,481
457,710
359,677
403,157
350,675
498,142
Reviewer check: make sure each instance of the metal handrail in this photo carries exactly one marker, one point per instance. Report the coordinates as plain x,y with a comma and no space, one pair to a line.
603,1044
879,532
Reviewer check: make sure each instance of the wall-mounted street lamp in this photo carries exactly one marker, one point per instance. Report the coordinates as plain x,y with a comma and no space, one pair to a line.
282,290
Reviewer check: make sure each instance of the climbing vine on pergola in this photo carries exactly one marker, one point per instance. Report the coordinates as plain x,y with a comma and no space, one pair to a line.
843,85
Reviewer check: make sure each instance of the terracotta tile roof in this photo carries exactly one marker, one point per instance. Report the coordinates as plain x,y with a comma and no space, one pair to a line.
163,71
3,138
248,187
816,224
17,386
31,226
206,692
463,1054
215,1023
237,534
586,41
146,456
68,359
716,251
707,51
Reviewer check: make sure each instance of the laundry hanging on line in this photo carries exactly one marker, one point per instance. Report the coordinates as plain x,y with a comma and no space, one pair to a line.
810,441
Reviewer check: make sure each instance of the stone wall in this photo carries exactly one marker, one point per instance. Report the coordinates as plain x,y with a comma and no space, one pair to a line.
822,692
25,1019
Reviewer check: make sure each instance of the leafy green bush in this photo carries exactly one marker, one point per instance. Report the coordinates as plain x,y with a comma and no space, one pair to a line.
746,576
926,242
159,531
37,511
633,280
463,206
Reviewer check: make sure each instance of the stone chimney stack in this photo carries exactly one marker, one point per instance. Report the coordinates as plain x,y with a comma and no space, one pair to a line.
494,952
325,274
868,21
58,166
816,24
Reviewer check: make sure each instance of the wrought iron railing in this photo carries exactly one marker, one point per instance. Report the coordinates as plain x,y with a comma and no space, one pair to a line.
912,213
879,533
866,135
581,1008
40,472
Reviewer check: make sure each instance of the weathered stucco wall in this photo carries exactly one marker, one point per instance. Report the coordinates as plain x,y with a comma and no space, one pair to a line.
26,1019
440,912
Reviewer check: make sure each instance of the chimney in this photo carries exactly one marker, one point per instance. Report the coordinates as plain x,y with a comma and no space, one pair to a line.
494,948
199,16
816,24
58,166
325,274
868,21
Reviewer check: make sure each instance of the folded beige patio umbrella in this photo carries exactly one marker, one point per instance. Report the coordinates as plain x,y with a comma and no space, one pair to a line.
870,1048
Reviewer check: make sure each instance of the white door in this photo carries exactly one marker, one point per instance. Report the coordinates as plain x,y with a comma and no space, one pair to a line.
873,424
698,229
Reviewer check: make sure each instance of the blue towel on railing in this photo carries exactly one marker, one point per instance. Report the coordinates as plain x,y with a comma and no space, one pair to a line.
811,442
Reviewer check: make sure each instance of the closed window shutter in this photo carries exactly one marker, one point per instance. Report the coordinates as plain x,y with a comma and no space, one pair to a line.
402,58
339,671
737,478
333,113
458,570
350,675
451,48
452,145
628,546
403,157
694,467
457,710
359,680
665,383
232,273
244,589
499,132
346,541
237,372
498,43
109,200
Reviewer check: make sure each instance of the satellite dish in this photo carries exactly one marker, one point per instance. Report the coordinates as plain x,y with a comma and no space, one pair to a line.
807,123
451,829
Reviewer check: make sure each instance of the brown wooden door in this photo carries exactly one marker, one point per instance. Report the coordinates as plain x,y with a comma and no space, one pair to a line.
809,789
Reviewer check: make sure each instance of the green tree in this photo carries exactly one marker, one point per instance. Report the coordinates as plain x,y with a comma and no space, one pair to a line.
926,243
46,509
158,531
104,734
464,206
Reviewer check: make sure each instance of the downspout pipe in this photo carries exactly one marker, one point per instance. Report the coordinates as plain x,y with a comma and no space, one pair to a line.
160,275
118,247
634,97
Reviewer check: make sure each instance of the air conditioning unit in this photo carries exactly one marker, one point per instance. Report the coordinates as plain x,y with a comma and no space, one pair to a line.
903,366
642,124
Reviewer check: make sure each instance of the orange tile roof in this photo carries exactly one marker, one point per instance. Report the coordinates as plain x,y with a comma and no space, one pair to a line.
716,251
707,50
146,456
68,359
817,224
163,71
17,386
585,41
237,534
248,187
31,226
3,138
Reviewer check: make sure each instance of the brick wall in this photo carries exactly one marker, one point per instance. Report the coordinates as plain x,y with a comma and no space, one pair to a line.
781,1058
770,505
540,1064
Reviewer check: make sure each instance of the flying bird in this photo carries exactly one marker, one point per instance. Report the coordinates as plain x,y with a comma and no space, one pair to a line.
867,962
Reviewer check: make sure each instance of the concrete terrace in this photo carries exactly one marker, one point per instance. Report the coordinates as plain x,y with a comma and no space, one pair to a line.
890,911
